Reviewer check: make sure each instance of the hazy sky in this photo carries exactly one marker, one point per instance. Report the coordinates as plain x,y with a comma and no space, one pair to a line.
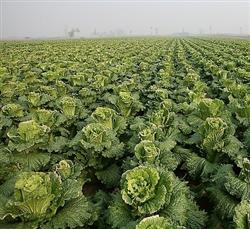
47,18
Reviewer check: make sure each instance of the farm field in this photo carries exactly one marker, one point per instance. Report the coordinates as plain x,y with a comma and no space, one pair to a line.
129,133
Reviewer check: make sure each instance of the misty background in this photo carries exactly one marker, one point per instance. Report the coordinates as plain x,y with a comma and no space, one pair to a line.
54,18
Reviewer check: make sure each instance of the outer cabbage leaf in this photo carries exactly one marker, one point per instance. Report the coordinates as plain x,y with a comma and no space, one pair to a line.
76,213
31,161
109,176
242,215
239,186
119,213
224,203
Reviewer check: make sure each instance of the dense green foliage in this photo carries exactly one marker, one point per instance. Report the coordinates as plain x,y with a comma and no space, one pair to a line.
125,134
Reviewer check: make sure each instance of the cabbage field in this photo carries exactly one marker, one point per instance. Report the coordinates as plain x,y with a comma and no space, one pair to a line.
131,133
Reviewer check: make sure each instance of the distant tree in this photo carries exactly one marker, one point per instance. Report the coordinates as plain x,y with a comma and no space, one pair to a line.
72,32
151,30
156,31
210,29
